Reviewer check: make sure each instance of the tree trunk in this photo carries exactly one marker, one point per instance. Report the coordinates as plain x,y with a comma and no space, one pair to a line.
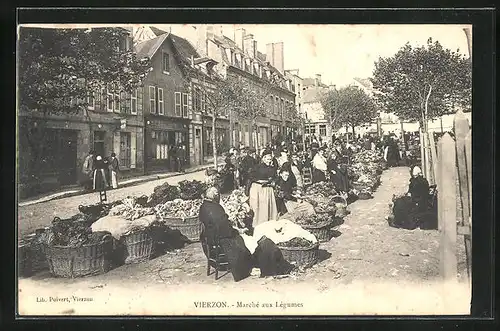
214,141
256,128
353,132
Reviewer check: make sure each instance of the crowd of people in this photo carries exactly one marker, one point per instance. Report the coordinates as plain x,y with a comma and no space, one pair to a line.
100,173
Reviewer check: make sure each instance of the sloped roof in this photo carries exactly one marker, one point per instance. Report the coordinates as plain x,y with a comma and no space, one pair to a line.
148,48
157,31
184,47
365,82
313,94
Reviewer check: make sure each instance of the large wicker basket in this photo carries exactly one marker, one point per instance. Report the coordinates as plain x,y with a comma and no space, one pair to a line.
33,255
138,246
321,232
301,256
190,227
87,260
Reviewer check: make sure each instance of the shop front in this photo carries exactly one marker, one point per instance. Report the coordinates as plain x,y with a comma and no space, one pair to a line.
163,138
222,140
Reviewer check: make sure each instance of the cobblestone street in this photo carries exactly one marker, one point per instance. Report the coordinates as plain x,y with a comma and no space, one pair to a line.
41,214
366,251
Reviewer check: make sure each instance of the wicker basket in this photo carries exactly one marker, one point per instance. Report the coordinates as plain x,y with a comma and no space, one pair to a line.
190,227
23,261
87,260
301,256
34,255
321,232
138,246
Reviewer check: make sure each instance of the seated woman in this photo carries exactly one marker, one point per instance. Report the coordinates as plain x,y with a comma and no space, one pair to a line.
241,250
288,198
338,174
320,169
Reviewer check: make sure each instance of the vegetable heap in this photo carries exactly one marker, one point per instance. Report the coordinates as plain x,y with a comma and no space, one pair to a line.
296,242
178,208
321,189
131,209
162,194
315,220
365,171
72,232
191,190
322,204
237,208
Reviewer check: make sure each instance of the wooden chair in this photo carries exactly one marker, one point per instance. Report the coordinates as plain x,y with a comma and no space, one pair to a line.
215,257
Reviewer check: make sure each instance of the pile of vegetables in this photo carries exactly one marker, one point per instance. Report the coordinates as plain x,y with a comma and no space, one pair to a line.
162,194
321,189
237,208
73,232
178,208
131,208
316,220
296,242
192,190
364,172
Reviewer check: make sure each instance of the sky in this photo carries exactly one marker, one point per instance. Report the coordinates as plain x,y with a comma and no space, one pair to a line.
342,52
338,52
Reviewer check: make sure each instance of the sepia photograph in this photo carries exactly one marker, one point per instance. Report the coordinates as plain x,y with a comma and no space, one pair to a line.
244,170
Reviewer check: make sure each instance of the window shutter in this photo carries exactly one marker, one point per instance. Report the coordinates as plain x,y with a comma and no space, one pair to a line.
133,150
139,100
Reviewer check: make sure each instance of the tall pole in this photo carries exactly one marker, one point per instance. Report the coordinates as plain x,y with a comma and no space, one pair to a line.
468,35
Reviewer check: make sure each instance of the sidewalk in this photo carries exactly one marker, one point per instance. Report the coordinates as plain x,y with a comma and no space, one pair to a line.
125,183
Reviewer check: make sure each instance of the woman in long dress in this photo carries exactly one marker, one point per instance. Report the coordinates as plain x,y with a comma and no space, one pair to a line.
100,182
320,168
338,174
261,196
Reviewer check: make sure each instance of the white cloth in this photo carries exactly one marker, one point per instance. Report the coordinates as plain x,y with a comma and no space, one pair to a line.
386,150
114,179
250,242
319,162
282,231
298,175
119,226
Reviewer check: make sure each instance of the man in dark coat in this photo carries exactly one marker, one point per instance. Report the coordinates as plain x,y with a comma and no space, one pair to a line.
218,229
246,164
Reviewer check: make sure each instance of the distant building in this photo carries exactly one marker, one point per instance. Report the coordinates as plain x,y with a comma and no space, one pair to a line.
317,126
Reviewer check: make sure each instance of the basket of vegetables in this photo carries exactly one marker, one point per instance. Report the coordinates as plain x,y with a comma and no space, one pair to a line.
300,252
341,204
73,250
31,253
318,224
181,215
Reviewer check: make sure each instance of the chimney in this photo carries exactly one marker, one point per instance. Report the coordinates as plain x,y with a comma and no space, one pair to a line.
278,57
249,44
210,31
318,80
270,54
239,35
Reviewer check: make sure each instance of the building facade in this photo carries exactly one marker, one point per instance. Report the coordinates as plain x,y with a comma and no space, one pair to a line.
239,57
52,147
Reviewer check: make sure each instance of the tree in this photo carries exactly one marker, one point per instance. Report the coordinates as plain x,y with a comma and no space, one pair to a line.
60,69
253,98
216,93
421,83
348,106
60,65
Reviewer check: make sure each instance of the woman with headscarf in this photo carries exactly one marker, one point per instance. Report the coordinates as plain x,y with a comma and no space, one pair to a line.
261,190
338,174
418,190
391,152
296,170
319,167
100,182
